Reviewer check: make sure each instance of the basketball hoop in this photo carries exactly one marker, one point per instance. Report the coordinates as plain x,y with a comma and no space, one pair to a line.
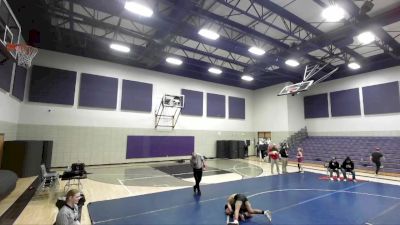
25,53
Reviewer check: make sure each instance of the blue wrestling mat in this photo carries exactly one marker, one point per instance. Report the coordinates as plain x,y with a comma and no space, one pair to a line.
293,199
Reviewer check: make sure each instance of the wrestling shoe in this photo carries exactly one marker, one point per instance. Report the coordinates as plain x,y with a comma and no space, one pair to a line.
268,214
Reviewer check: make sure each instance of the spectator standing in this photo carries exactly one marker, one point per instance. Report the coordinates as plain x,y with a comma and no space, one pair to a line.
376,157
198,164
284,156
274,156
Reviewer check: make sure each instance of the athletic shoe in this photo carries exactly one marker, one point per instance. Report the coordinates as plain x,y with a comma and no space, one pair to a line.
344,180
234,222
331,178
194,188
354,180
268,214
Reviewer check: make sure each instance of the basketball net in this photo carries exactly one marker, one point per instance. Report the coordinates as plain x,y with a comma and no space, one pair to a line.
25,53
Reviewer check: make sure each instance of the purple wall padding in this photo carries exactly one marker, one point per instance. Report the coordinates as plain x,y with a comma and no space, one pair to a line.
215,105
18,90
6,70
193,103
159,146
50,85
381,98
136,96
237,108
98,91
316,106
345,103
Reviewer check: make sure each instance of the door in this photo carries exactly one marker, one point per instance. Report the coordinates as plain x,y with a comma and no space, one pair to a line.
264,134
1,147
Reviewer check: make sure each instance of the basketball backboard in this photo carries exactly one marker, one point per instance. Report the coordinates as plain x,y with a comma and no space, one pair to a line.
296,88
173,101
10,30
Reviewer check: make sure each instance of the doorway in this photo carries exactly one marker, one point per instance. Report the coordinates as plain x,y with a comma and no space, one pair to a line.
264,135
1,147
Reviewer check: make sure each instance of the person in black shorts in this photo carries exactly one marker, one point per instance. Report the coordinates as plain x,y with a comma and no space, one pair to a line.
376,158
239,206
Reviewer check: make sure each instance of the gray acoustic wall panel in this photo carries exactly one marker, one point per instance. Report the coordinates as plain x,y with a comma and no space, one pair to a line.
50,85
237,108
345,103
18,90
316,106
98,91
193,103
136,96
215,105
381,98
6,70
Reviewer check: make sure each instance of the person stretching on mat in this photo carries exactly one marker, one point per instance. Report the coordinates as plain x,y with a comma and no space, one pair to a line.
239,206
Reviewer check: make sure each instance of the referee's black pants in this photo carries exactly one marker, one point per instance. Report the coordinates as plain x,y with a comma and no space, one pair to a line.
198,174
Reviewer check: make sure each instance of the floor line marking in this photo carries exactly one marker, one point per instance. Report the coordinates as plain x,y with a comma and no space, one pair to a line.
383,212
126,188
177,174
315,198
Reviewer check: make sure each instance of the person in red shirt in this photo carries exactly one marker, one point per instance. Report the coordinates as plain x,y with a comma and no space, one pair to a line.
300,159
274,155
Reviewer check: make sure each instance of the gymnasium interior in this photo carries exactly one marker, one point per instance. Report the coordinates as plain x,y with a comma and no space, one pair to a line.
115,98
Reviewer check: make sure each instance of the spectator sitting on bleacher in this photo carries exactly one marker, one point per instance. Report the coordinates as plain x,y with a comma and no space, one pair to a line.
333,166
348,166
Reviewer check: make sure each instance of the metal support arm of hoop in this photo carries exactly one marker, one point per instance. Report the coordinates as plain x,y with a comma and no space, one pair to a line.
309,72
25,53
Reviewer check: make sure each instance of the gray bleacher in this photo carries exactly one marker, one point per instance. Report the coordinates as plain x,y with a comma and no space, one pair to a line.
318,149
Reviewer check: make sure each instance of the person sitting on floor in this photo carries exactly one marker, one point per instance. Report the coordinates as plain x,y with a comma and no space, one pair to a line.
69,213
239,206
348,166
333,166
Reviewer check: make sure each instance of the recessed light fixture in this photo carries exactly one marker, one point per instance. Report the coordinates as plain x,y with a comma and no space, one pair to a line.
120,48
354,65
256,51
333,13
214,70
138,9
366,37
208,34
174,61
292,62
247,78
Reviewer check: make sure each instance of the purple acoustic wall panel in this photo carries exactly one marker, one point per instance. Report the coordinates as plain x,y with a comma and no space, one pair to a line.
381,98
193,103
136,96
159,146
237,108
6,70
50,85
19,83
98,91
345,103
215,105
316,106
